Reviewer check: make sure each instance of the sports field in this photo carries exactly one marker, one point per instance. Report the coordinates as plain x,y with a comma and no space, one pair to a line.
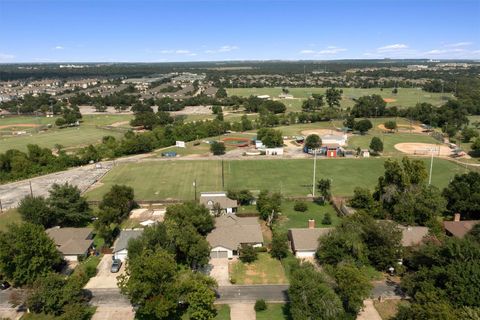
406,97
174,179
89,132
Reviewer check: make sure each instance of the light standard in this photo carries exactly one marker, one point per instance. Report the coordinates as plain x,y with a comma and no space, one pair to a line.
431,166
314,171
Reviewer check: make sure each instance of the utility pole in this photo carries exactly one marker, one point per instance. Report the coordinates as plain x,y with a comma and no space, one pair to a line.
223,177
314,171
431,167
31,191
1,208
195,188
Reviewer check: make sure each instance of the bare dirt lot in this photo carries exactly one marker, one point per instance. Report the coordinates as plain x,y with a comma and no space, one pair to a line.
110,110
193,110
321,132
19,125
425,149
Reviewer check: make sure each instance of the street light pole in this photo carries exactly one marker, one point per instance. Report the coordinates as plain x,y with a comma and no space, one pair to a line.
431,167
314,171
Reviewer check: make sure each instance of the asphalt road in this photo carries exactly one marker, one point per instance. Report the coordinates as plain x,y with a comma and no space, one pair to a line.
111,297
270,293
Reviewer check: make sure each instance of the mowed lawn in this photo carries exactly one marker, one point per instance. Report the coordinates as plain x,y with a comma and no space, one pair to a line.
275,311
389,141
264,270
87,133
157,180
9,217
406,97
295,219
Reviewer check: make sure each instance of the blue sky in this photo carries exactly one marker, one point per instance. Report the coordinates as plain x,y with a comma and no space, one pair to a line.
203,30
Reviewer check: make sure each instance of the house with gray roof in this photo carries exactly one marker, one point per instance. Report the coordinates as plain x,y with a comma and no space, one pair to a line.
120,247
304,241
72,242
231,232
210,199
413,235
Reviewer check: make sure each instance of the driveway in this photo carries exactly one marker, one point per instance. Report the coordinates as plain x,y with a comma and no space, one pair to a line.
242,311
105,312
369,312
219,271
104,278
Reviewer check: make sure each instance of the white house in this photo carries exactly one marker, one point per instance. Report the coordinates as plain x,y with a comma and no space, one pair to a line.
304,241
331,139
120,247
209,199
273,151
231,232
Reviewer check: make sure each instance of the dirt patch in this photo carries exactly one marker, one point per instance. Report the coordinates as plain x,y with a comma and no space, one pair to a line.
404,128
120,124
193,110
321,132
19,125
388,100
424,149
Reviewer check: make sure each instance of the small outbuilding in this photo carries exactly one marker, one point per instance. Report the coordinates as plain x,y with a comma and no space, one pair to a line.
227,205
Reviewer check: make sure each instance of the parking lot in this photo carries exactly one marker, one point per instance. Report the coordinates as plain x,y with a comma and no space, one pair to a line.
104,278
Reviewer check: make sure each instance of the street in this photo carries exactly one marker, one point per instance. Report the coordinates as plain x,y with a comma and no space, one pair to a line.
270,293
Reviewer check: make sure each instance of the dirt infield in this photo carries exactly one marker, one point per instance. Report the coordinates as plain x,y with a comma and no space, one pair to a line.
388,100
321,132
20,125
404,128
424,149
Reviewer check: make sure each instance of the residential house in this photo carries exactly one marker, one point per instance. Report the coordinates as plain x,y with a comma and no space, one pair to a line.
120,247
304,241
231,232
72,243
412,236
458,228
210,199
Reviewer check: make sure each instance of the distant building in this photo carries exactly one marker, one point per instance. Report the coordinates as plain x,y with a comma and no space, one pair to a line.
209,199
330,139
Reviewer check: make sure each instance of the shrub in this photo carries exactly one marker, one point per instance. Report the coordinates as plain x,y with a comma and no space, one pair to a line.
217,148
233,280
260,305
327,219
248,254
300,206
261,249
90,270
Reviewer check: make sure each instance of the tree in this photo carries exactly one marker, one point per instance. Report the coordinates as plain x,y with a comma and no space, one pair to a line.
60,122
244,197
35,210
376,144
313,142
217,148
324,187
191,213
390,125
248,254
279,245
353,286
300,206
315,103
362,199
120,199
271,138
260,305
327,219
273,106
27,253
476,145
369,106
463,195
468,134
221,93
363,126
333,97
71,209
349,122
311,297
268,205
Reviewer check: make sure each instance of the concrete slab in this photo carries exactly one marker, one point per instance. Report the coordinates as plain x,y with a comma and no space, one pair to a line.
242,311
104,312
104,278
219,271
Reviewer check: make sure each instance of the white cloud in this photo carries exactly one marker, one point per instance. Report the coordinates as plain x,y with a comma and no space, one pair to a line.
59,48
330,50
166,51
459,44
6,57
392,47
182,51
226,48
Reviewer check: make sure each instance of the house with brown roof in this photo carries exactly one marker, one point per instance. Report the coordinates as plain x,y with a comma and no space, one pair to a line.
231,232
413,235
304,241
72,242
210,199
457,227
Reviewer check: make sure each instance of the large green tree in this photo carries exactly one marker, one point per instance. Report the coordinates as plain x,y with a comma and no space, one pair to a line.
36,211
463,195
333,97
27,253
353,286
313,141
68,205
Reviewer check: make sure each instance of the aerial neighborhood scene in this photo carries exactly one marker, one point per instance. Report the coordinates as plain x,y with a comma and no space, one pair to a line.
257,159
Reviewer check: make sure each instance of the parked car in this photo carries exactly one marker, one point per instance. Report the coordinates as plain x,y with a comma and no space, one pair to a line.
116,265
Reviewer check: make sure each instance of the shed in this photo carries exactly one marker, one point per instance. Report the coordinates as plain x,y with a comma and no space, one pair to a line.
120,247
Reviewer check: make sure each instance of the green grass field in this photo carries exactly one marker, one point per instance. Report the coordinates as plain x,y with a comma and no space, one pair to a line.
264,270
223,312
275,311
87,133
174,179
294,219
9,217
406,97
389,141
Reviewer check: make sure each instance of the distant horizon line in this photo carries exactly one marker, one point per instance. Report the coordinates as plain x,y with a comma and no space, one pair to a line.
239,60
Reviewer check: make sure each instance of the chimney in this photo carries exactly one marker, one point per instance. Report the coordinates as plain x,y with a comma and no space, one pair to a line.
311,224
456,217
